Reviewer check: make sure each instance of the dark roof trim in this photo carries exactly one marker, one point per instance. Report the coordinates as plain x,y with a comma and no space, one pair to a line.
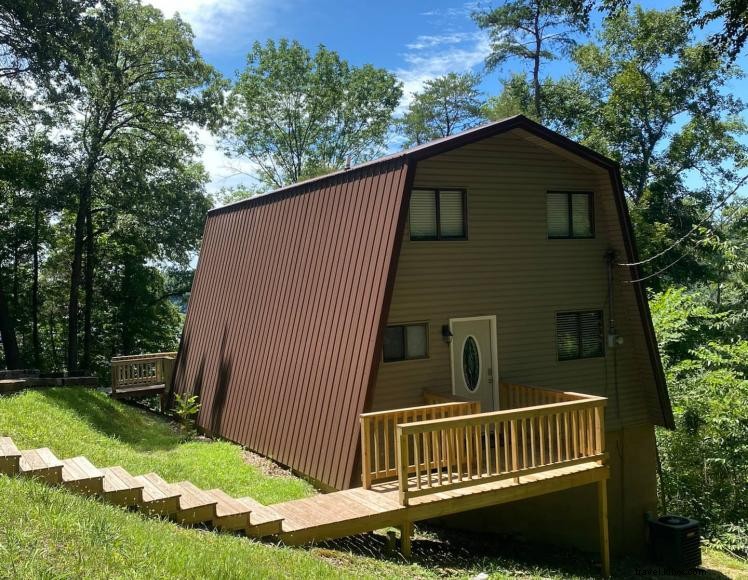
641,299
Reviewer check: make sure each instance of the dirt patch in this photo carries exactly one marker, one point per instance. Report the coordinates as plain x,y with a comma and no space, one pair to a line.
265,465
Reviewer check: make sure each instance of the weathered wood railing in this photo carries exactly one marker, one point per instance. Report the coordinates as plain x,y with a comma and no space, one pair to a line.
378,435
142,370
455,452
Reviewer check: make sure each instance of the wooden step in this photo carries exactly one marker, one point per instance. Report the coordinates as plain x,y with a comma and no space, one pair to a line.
10,457
41,463
263,520
231,514
159,497
80,475
195,506
121,488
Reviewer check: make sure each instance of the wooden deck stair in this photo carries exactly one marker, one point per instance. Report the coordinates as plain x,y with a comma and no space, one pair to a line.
80,475
313,519
184,502
41,463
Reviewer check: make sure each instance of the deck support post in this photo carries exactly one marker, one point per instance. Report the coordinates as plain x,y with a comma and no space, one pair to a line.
406,534
602,508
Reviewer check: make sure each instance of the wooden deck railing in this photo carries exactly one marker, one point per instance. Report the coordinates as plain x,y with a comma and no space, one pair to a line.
513,396
456,452
378,435
142,370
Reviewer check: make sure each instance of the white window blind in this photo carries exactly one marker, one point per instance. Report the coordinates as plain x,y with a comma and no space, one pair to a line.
451,214
558,215
570,214
423,215
581,225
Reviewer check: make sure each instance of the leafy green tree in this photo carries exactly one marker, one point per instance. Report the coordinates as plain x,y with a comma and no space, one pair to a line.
296,115
42,38
138,93
650,96
733,14
706,458
445,106
534,31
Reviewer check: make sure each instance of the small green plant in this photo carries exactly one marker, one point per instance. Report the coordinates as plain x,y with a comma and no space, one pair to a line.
186,409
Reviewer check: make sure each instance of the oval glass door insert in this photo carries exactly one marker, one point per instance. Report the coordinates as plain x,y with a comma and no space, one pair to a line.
470,363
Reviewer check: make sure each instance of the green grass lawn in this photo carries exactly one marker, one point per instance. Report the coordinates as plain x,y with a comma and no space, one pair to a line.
85,422
49,532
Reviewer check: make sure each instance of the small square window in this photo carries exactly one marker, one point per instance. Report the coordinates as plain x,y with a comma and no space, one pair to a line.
405,342
579,335
570,214
437,214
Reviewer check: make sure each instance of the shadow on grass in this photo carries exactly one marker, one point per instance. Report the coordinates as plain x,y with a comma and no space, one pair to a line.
127,424
452,552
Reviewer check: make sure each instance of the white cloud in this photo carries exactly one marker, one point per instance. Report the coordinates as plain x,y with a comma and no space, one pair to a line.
215,21
431,56
223,170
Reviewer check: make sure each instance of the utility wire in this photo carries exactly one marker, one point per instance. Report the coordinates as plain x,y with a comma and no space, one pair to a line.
690,232
670,265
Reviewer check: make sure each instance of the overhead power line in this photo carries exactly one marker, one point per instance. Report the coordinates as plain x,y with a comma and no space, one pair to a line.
690,232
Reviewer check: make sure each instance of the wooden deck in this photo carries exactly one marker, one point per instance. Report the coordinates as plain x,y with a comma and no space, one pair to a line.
360,510
418,464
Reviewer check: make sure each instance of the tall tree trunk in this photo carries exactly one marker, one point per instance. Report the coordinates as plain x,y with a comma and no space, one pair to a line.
76,274
536,64
56,364
8,333
35,293
88,289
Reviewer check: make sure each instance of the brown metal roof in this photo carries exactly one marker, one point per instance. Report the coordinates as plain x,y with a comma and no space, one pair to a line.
284,317
290,298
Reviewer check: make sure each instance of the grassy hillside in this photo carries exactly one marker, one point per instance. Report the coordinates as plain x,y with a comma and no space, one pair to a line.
51,533
85,422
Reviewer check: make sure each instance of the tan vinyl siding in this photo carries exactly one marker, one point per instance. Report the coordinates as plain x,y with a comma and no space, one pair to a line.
508,268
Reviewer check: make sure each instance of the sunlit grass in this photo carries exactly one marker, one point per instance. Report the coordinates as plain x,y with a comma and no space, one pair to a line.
85,422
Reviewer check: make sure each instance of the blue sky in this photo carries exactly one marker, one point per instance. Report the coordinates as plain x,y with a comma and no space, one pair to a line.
415,40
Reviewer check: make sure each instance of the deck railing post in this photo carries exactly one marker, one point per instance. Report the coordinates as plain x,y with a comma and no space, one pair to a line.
401,449
515,447
365,453
600,430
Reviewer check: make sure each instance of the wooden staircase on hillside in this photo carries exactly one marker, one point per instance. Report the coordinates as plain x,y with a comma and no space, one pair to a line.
418,463
184,502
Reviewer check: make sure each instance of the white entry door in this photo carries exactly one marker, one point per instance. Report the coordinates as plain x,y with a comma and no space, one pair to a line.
474,372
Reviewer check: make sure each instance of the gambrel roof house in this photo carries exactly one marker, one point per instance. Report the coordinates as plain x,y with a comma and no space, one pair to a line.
456,269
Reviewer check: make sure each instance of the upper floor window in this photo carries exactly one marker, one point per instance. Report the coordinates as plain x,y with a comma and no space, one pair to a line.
579,334
405,341
438,214
570,214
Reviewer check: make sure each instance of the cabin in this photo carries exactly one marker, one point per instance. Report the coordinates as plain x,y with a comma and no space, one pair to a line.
459,318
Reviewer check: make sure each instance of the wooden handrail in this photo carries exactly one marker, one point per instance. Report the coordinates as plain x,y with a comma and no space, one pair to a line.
152,355
513,396
378,435
432,398
448,453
